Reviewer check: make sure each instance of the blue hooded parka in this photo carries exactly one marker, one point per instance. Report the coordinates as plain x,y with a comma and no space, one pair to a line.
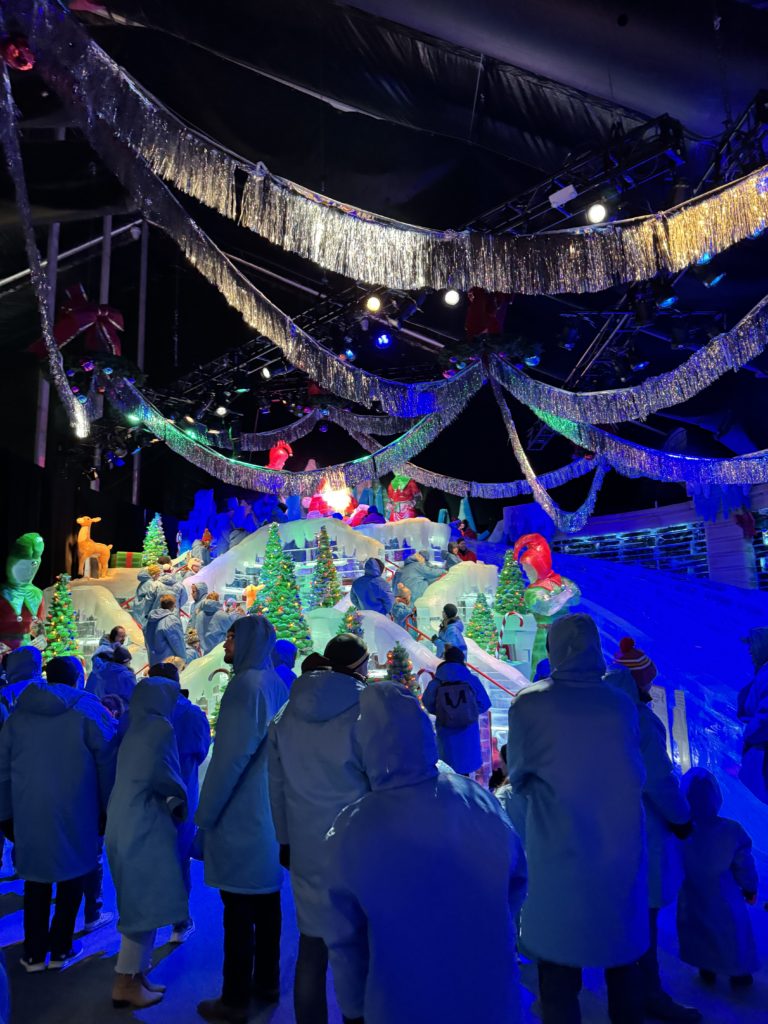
213,623
474,886
197,604
108,676
238,835
460,748
146,594
416,576
22,666
164,636
57,767
284,658
148,799
371,592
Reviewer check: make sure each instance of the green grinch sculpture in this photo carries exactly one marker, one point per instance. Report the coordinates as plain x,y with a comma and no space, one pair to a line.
20,600
548,595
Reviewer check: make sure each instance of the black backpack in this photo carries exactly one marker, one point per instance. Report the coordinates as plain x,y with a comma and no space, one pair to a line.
456,704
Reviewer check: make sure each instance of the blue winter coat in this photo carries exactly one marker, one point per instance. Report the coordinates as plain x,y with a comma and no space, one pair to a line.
213,624
473,886
170,583
146,595
451,635
663,800
239,845
57,767
460,748
371,592
315,770
107,676
149,796
284,658
196,608
416,576
22,666
201,552
713,923
164,636
193,740
574,752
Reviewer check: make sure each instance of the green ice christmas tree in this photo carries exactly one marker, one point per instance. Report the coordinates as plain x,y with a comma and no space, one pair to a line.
155,543
510,594
482,627
273,559
400,669
61,626
325,589
352,622
281,603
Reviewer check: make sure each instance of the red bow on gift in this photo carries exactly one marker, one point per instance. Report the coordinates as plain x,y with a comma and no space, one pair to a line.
98,324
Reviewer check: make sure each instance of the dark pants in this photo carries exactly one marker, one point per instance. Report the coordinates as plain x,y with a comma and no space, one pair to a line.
93,884
252,924
310,1003
649,964
559,989
41,938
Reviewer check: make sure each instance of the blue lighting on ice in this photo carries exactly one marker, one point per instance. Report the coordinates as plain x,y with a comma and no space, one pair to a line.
384,340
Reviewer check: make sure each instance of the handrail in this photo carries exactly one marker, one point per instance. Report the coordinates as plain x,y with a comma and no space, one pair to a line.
474,668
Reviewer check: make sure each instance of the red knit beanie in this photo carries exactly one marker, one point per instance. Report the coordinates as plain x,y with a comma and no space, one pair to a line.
639,664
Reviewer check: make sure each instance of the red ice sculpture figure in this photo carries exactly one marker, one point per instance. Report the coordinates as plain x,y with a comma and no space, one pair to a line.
279,455
402,493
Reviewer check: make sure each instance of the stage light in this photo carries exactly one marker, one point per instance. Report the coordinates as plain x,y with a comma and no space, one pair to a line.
132,417
93,473
704,259
596,213
532,360
189,419
221,410
642,364
266,373
664,294
213,430
350,353
451,297
711,278
240,384
119,461
373,303
384,340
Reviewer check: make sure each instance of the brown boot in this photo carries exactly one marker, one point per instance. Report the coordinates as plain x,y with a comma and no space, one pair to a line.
150,985
129,990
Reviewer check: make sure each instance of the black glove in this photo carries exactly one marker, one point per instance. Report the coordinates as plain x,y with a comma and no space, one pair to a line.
285,856
6,827
681,831
434,639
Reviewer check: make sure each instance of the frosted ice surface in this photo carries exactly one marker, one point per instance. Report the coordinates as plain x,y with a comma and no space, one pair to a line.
420,534
91,599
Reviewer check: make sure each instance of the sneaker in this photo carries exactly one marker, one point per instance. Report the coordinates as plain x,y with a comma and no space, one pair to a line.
182,931
32,966
62,961
105,918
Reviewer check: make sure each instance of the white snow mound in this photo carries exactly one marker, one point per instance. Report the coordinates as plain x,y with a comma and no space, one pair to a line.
421,534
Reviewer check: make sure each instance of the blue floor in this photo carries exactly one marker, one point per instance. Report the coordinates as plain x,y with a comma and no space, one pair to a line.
81,995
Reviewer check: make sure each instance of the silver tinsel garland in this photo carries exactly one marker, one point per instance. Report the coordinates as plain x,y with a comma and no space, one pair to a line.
730,350
635,460
263,440
77,413
567,522
359,244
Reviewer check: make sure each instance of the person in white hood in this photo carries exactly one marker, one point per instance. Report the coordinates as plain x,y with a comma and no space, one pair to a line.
314,772
574,753
410,946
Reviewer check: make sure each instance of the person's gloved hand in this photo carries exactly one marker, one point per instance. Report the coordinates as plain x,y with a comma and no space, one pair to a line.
681,831
285,856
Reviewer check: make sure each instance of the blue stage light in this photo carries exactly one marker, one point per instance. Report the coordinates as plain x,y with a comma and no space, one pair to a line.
383,340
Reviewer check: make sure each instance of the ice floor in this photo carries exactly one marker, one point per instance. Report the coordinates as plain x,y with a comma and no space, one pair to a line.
81,995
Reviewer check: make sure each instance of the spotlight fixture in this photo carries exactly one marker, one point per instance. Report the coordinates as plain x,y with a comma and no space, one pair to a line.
383,340
221,410
641,364
240,383
350,353
711,277
373,303
664,294
213,430
132,417
704,259
189,419
265,372
532,360
93,473
596,213
451,297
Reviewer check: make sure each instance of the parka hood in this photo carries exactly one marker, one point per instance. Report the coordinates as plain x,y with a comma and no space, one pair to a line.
396,738
41,699
153,696
254,641
323,695
373,567
574,648
454,672
25,663
702,791
284,653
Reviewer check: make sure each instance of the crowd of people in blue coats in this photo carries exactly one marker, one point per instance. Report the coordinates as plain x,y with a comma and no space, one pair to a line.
395,853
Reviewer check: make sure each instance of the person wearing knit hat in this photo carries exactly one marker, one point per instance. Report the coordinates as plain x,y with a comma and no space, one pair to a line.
348,654
66,670
639,664
314,772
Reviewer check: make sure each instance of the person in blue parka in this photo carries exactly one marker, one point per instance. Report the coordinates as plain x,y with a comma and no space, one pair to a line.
57,767
371,592
22,667
164,634
417,574
451,633
111,673
713,922
146,594
477,878
238,836
199,592
212,623
284,658
170,583
457,745
193,740
574,753
148,799
314,771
